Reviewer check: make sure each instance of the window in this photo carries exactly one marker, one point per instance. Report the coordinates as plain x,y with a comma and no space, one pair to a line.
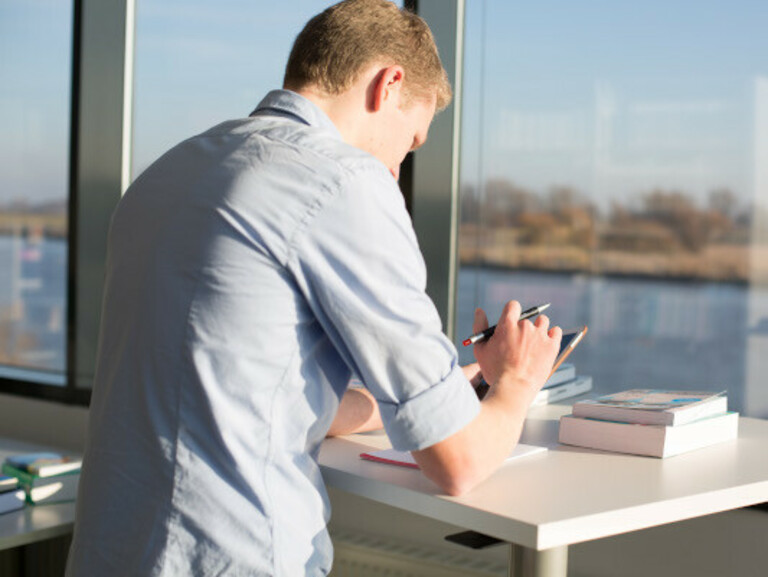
35,76
199,63
615,164
67,91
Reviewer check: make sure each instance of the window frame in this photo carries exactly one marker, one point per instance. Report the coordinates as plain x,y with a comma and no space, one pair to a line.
432,179
99,167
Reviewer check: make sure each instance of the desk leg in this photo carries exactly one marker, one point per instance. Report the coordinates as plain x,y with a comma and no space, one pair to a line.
525,562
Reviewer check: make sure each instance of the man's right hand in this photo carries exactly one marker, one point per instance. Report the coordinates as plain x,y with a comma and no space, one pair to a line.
516,361
519,352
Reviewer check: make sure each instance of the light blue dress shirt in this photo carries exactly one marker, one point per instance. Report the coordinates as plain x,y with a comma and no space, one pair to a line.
251,270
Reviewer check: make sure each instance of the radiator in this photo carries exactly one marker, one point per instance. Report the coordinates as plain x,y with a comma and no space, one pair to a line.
360,555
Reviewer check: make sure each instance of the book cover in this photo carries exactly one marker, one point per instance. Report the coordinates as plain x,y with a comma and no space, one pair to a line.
650,440
653,406
8,483
564,373
566,390
44,464
405,459
53,489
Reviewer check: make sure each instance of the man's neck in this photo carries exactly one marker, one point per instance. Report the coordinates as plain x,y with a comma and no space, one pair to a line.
347,111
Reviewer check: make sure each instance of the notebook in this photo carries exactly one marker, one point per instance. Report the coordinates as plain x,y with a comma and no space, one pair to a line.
405,459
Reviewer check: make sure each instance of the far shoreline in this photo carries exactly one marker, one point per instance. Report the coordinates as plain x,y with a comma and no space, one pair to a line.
628,276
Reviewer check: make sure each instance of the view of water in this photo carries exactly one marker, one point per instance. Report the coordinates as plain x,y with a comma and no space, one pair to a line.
642,332
33,303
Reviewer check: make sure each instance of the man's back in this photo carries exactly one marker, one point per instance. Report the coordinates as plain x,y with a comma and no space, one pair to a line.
216,382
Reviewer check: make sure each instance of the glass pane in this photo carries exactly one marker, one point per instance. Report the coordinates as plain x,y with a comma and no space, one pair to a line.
35,70
615,164
199,63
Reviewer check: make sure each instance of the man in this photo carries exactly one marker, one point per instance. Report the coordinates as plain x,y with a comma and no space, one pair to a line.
251,271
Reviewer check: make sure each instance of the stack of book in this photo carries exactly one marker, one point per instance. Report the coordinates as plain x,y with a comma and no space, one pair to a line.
45,477
650,422
563,384
11,497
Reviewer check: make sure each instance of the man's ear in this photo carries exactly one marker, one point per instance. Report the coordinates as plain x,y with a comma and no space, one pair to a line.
388,86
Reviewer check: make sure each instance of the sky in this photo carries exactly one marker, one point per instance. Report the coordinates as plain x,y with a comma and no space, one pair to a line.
200,63
611,98
35,67
614,98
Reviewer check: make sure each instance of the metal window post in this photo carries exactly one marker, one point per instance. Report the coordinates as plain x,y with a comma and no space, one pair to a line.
101,164
435,166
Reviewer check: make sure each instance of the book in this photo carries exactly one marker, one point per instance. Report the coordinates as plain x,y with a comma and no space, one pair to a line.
653,406
405,459
12,500
45,464
53,489
650,440
564,373
566,390
8,483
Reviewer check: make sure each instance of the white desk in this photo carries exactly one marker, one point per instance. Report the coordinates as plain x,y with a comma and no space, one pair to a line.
32,523
543,503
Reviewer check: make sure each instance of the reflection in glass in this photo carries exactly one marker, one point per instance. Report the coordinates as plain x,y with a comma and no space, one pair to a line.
35,68
613,163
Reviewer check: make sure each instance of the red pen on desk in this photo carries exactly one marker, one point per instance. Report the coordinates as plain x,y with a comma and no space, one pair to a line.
487,333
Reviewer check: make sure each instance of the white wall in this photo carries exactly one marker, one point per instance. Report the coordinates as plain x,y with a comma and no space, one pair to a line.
48,423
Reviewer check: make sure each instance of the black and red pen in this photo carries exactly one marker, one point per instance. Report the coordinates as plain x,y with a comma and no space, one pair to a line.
487,333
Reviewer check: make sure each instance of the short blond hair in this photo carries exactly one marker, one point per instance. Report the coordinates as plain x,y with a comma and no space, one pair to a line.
336,46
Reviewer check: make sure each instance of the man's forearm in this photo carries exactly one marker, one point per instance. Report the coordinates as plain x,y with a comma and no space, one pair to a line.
358,412
461,461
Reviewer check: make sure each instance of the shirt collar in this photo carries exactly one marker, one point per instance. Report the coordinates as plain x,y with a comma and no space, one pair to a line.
288,103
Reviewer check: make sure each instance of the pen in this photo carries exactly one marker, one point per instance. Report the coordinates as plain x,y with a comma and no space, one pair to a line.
487,333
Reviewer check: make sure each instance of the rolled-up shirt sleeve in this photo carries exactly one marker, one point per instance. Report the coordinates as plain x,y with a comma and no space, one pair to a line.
358,263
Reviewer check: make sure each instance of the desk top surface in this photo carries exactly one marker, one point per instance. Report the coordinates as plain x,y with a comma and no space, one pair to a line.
564,496
568,494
